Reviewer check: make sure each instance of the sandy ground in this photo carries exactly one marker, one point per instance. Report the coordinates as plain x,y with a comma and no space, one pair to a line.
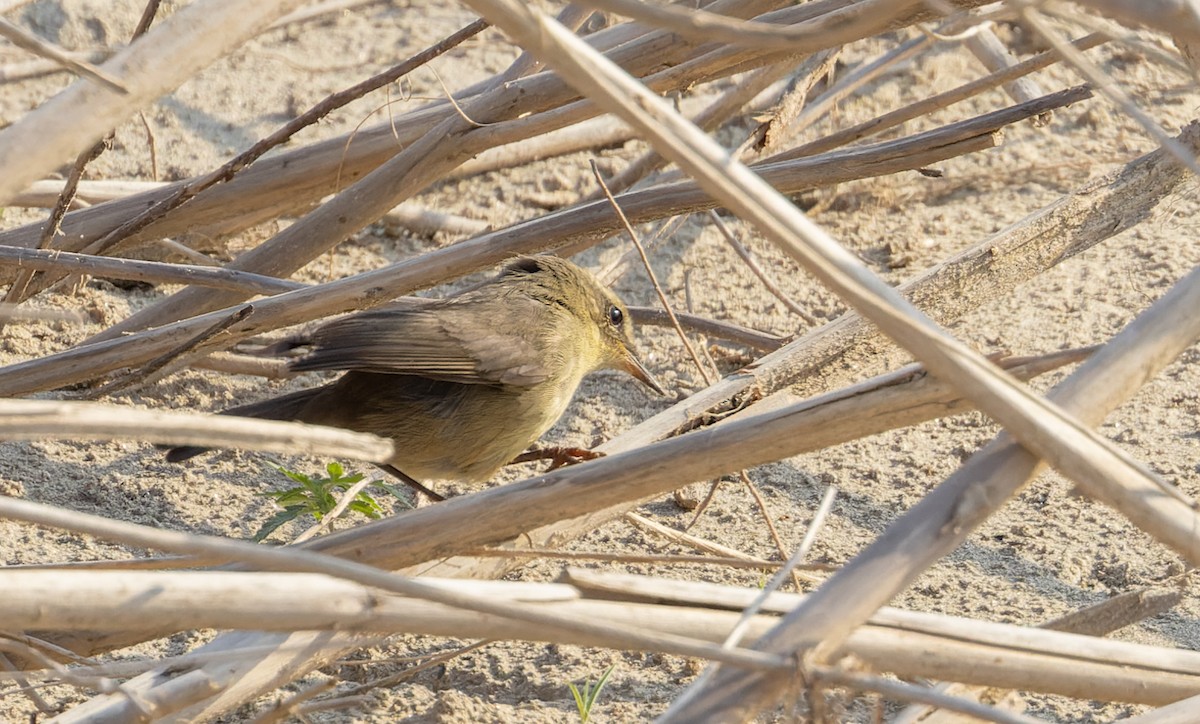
1049,553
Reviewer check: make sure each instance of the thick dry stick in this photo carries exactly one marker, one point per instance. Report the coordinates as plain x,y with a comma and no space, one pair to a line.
161,60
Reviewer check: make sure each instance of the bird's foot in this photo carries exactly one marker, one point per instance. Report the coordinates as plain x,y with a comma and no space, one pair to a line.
558,456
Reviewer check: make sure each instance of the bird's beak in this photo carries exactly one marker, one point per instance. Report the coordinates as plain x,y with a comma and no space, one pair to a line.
634,366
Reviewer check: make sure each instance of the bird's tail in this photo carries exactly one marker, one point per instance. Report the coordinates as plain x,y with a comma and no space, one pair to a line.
285,407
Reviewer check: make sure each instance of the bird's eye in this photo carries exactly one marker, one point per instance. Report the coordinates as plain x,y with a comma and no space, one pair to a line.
615,315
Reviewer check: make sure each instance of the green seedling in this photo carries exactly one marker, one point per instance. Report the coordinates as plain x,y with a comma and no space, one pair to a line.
586,699
316,496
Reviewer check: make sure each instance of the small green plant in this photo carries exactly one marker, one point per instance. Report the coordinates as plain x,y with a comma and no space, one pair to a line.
316,496
586,699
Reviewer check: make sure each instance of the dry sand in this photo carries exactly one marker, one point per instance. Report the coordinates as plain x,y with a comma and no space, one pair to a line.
1048,553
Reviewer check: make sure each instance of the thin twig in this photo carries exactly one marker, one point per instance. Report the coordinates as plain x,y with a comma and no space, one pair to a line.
156,366
145,271
37,46
660,558
752,338
909,692
327,519
414,670
662,297
770,522
769,283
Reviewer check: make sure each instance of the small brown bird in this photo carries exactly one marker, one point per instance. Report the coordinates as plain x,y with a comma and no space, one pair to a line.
463,385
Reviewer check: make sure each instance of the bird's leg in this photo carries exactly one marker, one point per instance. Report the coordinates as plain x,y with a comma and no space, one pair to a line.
410,482
557,455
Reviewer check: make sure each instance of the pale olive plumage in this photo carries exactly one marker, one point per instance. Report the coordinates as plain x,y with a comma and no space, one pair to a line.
465,384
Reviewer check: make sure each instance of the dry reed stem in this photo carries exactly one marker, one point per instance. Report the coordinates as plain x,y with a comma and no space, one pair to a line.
172,52
49,419
288,559
912,644
1099,619
593,221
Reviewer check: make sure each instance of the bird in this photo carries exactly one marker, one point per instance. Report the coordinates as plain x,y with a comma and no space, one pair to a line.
465,384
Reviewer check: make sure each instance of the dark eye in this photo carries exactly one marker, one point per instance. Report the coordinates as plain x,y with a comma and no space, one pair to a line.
616,316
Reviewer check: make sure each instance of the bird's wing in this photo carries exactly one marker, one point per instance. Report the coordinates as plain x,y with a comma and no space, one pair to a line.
450,342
